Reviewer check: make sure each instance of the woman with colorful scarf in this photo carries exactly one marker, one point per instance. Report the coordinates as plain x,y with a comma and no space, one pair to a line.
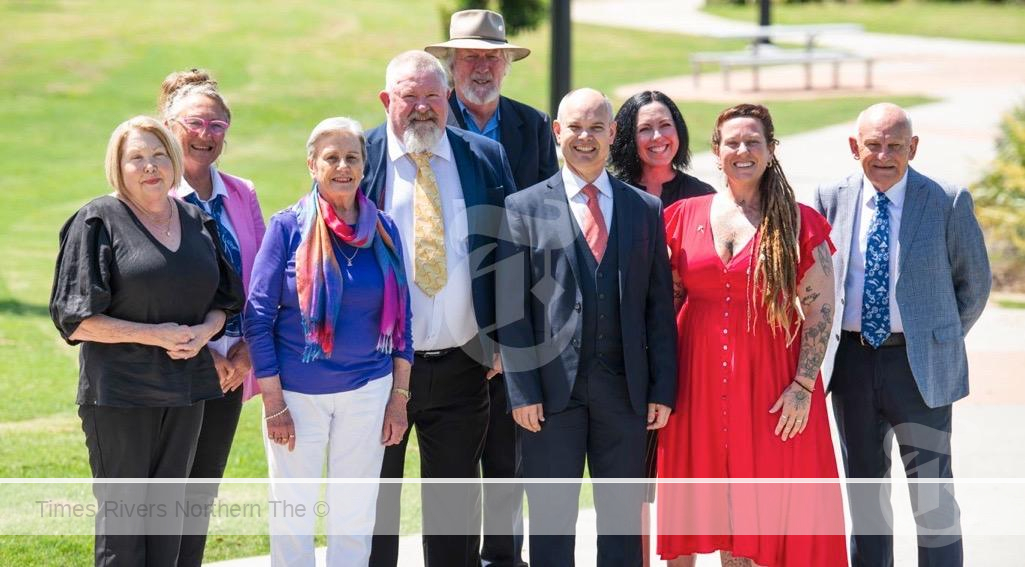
328,324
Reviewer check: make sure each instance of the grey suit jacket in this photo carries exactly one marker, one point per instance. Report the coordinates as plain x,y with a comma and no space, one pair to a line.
942,281
540,302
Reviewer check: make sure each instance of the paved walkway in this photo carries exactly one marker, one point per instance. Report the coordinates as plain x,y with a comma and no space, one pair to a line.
975,83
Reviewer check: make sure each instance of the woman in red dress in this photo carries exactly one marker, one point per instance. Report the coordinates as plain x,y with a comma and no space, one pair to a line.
754,286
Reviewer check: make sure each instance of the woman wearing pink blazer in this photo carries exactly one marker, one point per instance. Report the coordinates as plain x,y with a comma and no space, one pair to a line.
194,110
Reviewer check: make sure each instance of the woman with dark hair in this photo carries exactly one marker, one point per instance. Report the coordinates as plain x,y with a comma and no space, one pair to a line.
650,151
753,280
652,148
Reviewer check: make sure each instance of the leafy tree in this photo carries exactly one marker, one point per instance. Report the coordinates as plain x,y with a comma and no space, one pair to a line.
519,15
1000,201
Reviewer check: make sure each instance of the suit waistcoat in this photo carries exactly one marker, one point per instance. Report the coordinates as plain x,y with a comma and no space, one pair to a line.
601,336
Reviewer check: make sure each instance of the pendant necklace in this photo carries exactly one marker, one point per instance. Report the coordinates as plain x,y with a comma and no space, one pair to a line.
348,259
151,217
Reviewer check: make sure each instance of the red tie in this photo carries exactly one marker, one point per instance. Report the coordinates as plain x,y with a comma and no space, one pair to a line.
595,233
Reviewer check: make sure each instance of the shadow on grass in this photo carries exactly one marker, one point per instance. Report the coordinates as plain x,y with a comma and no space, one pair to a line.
19,309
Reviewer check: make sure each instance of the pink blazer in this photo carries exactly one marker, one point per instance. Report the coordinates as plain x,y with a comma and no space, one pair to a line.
243,209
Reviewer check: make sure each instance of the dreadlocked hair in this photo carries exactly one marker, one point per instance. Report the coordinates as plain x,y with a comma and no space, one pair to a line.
772,279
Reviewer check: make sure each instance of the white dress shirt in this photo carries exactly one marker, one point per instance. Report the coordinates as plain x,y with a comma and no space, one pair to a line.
854,285
446,320
578,201
223,344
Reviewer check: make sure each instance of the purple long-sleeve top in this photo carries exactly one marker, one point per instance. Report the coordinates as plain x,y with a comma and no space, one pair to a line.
273,323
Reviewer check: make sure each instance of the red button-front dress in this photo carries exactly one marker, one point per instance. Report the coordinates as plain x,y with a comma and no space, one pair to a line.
732,370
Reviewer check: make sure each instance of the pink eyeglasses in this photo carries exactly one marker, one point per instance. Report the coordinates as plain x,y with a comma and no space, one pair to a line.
197,125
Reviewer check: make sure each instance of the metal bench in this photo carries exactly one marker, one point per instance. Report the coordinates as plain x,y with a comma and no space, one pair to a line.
760,54
767,56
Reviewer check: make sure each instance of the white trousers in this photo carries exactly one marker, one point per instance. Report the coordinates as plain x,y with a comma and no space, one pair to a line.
346,429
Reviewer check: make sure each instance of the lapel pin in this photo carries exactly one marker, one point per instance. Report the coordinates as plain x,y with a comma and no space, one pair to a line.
701,228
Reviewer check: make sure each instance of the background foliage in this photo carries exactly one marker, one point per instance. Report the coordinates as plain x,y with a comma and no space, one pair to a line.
1000,203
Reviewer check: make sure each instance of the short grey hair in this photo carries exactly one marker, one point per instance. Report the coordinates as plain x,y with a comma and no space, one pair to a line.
416,60
570,94
336,125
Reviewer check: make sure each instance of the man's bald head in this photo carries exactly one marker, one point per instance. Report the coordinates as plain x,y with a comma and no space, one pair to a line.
884,113
584,96
584,128
884,144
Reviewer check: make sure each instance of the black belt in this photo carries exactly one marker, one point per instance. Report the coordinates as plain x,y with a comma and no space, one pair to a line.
895,339
434,354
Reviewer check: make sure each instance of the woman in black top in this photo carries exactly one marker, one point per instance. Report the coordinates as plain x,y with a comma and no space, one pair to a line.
650,151
651,148
142,284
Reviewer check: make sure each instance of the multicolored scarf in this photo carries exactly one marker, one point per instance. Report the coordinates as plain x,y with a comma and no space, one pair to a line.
318,278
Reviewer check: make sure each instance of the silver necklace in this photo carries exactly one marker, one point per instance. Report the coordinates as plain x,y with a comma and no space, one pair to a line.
348,260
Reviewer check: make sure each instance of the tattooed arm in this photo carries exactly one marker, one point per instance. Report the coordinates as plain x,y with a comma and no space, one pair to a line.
816,292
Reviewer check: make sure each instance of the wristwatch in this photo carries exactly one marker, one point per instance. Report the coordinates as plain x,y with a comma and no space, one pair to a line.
402,392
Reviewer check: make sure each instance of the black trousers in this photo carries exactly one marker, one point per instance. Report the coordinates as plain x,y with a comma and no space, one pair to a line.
220,420
876,399
598,425
139,443
503,503
449,409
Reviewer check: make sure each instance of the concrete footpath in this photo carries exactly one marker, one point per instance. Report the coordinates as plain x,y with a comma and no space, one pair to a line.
975,83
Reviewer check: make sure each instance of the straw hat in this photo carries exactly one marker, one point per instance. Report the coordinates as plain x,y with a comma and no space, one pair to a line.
477,29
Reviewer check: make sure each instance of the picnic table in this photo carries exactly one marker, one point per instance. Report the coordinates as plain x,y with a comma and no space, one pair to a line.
759,53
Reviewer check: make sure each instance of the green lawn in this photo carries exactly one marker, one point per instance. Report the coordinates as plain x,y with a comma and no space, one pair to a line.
962,20
70,71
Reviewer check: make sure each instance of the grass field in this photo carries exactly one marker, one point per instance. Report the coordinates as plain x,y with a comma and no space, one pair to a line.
982,21
70,71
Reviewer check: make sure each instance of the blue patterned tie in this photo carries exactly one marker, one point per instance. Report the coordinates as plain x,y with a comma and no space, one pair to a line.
875,303
233,328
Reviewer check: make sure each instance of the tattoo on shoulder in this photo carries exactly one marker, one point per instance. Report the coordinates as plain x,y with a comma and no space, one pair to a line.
824,258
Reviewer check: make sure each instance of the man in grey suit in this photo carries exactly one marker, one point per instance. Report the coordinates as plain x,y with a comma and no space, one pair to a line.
587,336
912,278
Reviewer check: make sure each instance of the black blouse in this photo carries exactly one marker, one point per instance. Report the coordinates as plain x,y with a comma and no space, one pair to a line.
109,264
682,186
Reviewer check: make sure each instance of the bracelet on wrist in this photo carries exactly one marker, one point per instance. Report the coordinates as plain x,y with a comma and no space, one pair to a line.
402,392
806,388
270,417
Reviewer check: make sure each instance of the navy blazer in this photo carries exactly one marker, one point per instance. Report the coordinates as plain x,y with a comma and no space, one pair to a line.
486,181
526,135
540,305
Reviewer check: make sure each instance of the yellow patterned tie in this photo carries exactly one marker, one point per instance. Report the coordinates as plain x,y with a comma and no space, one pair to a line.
428,228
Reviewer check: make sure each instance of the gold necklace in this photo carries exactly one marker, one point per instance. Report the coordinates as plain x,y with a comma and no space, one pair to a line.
154,219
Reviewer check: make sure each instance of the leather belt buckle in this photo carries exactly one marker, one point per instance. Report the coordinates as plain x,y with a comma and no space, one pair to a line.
432,354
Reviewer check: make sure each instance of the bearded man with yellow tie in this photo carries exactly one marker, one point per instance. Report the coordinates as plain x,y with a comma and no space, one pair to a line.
445,188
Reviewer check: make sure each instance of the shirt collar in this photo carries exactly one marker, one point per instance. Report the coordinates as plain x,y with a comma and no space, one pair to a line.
184,189
574,184
397,149
895,194
495,118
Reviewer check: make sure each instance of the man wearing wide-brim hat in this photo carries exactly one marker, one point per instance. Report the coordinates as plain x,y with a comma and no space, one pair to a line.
478,57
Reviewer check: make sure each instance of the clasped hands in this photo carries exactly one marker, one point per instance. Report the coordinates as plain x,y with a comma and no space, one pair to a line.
185,341
530,417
